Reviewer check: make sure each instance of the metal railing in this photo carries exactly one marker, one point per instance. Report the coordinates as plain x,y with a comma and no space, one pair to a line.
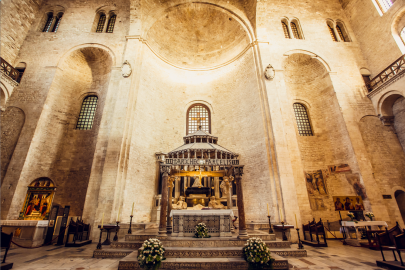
9,70
388,74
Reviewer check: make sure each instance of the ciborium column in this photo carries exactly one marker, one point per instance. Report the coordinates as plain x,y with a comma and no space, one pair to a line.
169,205
238,171
165,171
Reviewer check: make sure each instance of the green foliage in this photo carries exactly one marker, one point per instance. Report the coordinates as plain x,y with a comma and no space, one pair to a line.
151,254
201,231
257,254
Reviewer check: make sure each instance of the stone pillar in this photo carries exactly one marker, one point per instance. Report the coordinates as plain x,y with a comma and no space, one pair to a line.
216,187
165,170
169,205
238,170
177,188
228,197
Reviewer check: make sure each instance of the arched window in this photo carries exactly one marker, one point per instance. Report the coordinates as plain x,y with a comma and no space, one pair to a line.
295,31
402,34
101,22
57,22
21,69
87,113
48,23
341,29
340,33
198,116
332,32
384,5
303,124
285,29
111,23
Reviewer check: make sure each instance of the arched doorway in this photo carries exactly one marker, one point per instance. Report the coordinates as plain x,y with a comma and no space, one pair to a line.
400,198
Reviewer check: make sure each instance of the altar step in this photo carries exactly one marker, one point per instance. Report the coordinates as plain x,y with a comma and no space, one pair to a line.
143,237
111,253
200,243
131,262
224,252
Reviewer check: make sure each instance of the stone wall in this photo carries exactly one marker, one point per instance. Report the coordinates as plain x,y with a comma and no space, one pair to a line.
16,20
374,32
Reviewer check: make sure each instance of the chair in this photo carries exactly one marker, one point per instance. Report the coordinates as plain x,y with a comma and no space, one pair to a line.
399,241
307,228
6,243
386,240
319,230
372,238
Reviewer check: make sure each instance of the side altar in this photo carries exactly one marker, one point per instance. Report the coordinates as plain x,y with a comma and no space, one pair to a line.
218,222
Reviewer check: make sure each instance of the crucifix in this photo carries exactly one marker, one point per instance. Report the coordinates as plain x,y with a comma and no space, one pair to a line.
198,119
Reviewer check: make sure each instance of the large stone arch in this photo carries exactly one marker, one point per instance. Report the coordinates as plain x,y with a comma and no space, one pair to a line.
398,22
12,122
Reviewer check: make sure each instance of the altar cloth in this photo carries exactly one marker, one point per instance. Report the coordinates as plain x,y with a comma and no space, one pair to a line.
218,222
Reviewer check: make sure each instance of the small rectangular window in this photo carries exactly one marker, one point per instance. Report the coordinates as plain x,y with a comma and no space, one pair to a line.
384,5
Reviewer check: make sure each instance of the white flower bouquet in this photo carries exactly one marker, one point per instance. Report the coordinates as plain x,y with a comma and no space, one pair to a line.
201,231
351,216
370,215
150,255
257,254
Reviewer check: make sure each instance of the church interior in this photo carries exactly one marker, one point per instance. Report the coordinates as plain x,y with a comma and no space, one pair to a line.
126,121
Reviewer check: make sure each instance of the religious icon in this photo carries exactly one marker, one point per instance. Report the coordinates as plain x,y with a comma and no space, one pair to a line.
354,180
38,200
348,203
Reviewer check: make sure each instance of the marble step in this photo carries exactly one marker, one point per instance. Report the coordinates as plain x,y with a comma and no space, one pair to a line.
111,253
264,237
131,262
146,236
224,252
198,242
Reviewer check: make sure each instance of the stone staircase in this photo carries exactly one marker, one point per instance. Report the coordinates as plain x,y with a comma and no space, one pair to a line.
193,253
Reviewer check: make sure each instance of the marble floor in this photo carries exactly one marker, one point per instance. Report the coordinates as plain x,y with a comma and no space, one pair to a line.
335,257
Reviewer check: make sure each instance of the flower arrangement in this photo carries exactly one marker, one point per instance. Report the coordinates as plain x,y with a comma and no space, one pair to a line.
370,215
201,231
151,254
257,254
351,215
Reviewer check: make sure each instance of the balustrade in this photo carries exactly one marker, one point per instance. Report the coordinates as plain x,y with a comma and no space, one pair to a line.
390,73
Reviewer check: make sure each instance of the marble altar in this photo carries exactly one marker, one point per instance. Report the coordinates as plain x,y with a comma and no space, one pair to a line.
218,222
356,240
31,232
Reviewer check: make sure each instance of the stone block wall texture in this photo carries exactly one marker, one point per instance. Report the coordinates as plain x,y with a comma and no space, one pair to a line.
16,19
113,165
374,32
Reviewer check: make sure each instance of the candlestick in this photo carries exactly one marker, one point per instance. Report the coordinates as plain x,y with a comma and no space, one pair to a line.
132,212
99,240
270,229
130,225
296,223
102,221
268,211
300,246
281,216
116,232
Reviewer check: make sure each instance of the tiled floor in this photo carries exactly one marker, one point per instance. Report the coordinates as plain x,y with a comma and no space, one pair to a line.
334,257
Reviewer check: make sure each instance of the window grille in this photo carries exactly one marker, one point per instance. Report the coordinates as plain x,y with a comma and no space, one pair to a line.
48,23
303,124
339,30
384,5
198,115
332,33
111,23
295,31
285,28
101,22
87,113
57,22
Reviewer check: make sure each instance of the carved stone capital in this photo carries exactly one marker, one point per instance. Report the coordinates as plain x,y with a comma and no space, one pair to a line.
387,120
165,169
238,170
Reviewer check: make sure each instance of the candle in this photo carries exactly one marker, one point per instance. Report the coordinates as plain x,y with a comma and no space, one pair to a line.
268,211
102,221
118,216
281,216
132,213
296,223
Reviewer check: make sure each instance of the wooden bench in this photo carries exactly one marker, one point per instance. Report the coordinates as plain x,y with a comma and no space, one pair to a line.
399,241
78,229
386,240
317,229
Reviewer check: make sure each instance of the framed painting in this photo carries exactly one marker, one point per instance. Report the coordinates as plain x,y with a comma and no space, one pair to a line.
348,203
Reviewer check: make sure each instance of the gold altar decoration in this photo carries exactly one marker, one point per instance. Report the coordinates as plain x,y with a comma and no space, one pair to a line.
38,201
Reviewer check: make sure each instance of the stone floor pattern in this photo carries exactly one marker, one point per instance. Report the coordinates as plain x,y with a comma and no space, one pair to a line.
335,257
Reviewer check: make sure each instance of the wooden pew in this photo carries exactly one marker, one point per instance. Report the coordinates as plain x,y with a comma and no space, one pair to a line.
317,229
307,228
399,241
386,240
78,229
